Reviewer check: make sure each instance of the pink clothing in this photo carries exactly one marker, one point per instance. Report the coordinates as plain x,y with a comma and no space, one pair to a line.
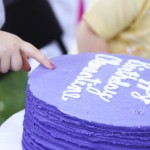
81,10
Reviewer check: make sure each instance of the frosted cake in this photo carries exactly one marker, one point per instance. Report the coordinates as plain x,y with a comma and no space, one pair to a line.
89,102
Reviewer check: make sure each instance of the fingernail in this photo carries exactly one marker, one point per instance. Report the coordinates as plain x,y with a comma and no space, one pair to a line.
52,66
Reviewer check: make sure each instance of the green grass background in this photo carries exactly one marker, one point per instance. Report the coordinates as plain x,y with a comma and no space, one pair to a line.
12,93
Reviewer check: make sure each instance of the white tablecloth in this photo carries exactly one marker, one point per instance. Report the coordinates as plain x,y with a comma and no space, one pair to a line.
11,132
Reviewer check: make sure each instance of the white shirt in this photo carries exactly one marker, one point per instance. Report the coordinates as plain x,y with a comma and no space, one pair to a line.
2,14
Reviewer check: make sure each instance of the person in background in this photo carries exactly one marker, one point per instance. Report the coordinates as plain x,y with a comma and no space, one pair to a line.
69,14
14,51
116,26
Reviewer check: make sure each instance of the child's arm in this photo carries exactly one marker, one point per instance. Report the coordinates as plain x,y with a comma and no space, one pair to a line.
14,53
88,41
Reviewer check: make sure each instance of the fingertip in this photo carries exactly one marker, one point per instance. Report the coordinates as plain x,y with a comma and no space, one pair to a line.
51,65
48,64
30,51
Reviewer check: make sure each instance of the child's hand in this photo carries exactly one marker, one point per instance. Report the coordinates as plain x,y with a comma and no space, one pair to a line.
14,53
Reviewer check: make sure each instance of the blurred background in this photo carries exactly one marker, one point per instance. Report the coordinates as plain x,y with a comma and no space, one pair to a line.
50,25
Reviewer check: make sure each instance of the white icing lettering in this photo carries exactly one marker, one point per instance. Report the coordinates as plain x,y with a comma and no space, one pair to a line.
71,90
143,98
97,92
108,59
143,85
118,81
86,75
72,95
120,78
138,63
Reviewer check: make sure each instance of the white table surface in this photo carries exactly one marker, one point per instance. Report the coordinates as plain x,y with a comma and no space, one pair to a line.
11,132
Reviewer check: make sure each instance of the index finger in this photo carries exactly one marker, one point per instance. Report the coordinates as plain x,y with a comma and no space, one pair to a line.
31,51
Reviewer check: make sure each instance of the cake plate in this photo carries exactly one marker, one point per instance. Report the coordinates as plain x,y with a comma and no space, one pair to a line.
11,132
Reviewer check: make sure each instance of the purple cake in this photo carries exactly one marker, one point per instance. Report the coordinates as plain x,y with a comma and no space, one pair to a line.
89,102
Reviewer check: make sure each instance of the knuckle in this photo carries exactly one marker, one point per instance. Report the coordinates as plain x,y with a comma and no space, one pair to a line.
17,68
5,70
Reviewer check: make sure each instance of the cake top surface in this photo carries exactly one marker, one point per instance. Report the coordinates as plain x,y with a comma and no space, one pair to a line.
107,89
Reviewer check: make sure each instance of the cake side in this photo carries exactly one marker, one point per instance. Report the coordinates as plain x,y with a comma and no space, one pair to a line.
46,127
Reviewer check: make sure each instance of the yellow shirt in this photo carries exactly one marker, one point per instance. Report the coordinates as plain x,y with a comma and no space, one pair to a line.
124,24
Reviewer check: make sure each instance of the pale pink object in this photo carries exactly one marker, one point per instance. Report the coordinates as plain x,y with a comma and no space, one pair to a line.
81,10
